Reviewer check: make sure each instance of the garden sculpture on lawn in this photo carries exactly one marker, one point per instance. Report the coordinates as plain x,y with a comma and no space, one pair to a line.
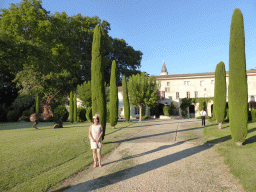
36,117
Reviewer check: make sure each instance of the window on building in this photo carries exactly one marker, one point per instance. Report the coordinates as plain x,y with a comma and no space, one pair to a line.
252,98
212,81
201,83
121,108
185,82
167,89
204,89
168,83
188,82
205,95
188,94
137,111
196,94
177,95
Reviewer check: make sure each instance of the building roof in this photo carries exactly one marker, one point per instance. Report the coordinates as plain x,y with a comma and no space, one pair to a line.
198,75
163,67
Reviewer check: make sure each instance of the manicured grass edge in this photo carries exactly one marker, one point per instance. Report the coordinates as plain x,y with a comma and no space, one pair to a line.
51,178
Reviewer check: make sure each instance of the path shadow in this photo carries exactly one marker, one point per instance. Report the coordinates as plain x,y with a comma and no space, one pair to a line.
155,135
151,151
122,175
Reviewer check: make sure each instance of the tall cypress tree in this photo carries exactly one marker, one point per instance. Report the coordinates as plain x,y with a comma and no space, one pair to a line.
220,93
97,79
126,100
113,96
237,92
37,103
71,107
75,106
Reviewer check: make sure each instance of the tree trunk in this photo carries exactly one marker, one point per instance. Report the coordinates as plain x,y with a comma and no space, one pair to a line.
220,125
239,143
140,112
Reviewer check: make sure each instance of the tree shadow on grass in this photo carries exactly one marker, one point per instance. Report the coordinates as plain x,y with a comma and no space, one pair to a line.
250,140
122,175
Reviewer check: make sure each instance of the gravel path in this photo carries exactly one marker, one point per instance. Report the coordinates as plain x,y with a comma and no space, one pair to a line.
167,155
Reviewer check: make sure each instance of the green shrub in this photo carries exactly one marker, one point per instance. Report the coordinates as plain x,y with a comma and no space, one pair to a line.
2,113
13,116
81,114
253,112
199,117
89,114
60,112
166,111
26,113
145,117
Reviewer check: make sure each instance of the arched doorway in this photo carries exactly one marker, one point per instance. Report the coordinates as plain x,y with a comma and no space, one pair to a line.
252,105
192,111
157,110
212,110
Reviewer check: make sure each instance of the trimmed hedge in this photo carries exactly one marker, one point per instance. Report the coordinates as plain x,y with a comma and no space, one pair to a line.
253,113
145,117
166,111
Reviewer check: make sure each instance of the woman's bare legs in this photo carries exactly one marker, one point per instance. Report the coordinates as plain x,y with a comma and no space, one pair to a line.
95,157
99,157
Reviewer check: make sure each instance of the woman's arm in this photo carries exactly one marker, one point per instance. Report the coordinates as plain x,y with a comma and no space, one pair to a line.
90,133
101,133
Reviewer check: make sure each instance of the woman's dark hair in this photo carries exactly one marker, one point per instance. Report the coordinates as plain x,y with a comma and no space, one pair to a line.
94,118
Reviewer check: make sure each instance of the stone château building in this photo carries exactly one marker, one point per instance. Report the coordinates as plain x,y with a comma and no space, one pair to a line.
173,88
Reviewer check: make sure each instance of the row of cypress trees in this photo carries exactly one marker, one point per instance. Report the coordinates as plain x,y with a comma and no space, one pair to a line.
237,90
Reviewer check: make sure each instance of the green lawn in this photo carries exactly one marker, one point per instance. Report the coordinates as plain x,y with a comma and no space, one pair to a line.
34,160
240,160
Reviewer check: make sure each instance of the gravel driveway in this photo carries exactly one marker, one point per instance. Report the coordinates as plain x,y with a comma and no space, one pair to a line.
166,155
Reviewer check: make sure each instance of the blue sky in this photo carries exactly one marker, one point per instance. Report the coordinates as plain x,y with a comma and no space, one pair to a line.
192,35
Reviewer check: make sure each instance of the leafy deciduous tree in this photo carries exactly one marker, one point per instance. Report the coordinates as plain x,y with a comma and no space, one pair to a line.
142,91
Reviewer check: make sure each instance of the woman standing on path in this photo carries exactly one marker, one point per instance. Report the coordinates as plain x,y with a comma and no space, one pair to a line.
95,133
